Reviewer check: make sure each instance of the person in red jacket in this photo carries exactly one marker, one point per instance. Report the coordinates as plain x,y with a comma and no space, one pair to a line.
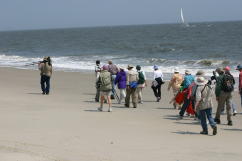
239,68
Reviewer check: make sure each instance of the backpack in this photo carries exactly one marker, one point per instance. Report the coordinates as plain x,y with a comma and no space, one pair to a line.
141,78
193,91
105,81
227,84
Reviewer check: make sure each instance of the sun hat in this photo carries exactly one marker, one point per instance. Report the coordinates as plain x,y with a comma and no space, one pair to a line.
227,68
200,81
187,72
156,67
105,67
200,73
176,70
130,66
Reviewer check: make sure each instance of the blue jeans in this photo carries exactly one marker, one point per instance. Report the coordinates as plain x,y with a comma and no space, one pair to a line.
207,113
113,84
45,84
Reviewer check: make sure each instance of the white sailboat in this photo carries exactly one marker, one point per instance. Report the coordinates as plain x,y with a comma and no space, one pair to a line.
183,20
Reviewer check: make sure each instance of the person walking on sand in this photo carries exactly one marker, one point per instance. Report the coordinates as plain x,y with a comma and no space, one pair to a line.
121,81
141,83
175,84
239,68
204,104
105,80
97,73
157,82
45,68
132,83
188,80
113,69
223,90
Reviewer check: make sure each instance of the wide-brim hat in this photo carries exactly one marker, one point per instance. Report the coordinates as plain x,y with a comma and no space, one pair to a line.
201,81
176,70
130,66
200,73
187,72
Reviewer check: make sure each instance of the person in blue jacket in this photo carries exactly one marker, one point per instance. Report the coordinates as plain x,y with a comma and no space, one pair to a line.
188,80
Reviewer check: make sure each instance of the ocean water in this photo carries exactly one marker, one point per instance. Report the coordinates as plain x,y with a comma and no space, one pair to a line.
200,46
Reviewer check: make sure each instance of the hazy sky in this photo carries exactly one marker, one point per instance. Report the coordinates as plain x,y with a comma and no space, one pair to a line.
36,14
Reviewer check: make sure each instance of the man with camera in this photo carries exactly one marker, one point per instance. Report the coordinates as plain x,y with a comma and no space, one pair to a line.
223,90
45,68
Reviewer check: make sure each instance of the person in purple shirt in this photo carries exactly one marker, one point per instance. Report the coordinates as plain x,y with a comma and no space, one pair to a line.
121,81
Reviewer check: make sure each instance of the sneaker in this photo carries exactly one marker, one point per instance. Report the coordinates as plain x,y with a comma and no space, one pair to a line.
100,109
126,105
217,121
158,99
204,132
230,123
110,109
214,130
141,102
235,112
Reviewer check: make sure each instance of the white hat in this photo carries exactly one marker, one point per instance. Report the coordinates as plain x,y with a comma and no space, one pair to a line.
176,70
187,72
200,81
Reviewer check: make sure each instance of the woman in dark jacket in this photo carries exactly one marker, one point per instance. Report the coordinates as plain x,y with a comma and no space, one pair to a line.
121,81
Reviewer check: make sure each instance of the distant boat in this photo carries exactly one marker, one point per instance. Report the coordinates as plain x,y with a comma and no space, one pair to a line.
183,20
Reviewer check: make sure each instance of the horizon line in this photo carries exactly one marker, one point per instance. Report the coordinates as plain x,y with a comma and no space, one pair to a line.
101,26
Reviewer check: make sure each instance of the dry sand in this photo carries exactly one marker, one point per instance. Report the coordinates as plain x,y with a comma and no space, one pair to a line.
66,126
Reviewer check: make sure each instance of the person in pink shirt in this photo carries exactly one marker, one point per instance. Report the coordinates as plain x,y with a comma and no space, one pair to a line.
239,68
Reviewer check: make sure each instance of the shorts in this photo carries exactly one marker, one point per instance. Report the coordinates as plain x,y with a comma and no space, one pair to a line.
105,93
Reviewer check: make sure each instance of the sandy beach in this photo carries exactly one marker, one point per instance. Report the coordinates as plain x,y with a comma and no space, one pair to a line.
66,126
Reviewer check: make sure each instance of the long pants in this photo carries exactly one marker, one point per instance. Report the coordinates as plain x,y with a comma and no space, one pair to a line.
97,95
185,106
157,91
45,84
122,94
224,98
241,98
131,92
139,91
113,85
207,113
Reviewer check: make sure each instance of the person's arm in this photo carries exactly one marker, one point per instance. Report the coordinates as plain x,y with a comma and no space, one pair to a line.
170,83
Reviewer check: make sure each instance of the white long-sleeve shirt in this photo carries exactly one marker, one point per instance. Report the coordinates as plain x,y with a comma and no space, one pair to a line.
157,74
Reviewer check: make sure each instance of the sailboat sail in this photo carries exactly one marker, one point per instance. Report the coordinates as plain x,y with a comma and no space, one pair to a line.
182,17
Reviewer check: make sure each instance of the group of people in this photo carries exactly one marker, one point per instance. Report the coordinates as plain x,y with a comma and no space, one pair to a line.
130,83
194,95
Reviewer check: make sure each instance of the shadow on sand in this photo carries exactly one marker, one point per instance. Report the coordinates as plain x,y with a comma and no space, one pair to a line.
186,133
37,93
232,129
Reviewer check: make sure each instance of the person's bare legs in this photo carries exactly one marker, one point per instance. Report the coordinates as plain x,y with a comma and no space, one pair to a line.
109,104
101,103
